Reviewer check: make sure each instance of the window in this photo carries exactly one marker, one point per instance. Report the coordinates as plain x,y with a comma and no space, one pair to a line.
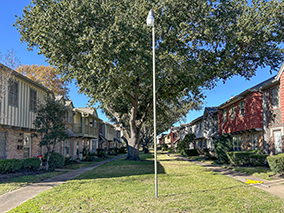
237,143
254,141
32,100
275,98
233,112
111,144
224,115
13,93
242,108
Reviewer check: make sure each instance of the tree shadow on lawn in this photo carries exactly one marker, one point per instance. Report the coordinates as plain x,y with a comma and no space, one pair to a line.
224,171
123,168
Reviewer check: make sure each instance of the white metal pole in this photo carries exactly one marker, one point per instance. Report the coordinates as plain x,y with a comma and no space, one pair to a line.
154,109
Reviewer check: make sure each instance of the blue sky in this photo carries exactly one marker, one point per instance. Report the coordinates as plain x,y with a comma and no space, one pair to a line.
10,39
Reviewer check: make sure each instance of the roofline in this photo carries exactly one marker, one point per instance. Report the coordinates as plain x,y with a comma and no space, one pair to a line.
19,75
257,88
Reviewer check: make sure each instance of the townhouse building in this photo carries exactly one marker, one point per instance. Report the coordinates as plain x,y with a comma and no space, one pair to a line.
67,147
18,107
86,128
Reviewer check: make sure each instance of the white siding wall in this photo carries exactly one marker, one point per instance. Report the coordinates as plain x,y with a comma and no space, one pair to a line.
20,116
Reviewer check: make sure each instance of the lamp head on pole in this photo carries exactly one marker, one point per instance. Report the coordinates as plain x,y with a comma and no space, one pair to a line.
150,19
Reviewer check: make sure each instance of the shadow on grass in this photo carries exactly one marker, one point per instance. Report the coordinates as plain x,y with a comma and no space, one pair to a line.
123,168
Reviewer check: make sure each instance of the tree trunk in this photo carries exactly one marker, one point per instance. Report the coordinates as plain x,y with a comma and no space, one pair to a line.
133,143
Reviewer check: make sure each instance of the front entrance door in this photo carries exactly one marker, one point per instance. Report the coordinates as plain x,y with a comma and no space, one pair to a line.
27,145
277,141
3,141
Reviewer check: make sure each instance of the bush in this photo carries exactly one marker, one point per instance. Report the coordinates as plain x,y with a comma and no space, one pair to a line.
56,160
258,159
122,150
239,158
101,153
31,164
69,161
191,152
112,152
164,147
242,158
276,163
223,144
10,165
171,150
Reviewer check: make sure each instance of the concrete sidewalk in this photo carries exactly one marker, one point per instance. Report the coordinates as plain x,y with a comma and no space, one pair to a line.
14,198
276,186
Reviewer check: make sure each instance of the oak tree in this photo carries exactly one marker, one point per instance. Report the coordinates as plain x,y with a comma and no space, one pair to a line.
106,47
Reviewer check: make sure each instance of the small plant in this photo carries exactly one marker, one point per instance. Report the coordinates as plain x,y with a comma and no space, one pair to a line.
56,160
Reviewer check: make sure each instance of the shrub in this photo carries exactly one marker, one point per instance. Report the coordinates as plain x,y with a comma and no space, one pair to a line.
251,157
276,163
69,161
10,165
31,164
258,159
101,153
56,160
112,152
239,158
165,147
122,150
191,152
171,150
223,144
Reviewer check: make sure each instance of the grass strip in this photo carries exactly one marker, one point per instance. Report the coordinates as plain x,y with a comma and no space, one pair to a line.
18,182
128,186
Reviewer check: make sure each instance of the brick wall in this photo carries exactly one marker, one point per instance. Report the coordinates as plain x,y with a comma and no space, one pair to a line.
252,119
15,138
273,117
281,91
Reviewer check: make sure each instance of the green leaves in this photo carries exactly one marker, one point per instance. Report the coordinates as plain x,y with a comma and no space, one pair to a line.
107,47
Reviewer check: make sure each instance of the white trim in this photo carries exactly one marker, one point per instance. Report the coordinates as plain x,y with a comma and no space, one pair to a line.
274,129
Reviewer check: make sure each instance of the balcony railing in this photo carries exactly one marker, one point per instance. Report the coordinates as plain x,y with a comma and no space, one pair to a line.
89,130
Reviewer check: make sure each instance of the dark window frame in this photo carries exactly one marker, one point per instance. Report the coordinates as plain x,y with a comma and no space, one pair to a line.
13,93
33,100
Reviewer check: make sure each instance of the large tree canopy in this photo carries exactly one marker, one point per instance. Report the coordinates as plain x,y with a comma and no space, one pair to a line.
106,47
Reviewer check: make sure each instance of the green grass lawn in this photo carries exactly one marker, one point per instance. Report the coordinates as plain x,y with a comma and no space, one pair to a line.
16,183
261,172
127,186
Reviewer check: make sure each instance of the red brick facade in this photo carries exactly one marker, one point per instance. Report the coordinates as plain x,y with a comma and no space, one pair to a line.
252,118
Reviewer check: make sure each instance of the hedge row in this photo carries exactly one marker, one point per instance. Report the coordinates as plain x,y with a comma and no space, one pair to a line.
276,163
15,165
241,158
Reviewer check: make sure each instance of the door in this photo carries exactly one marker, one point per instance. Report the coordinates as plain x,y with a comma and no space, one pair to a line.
3,141
277,141
27,145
